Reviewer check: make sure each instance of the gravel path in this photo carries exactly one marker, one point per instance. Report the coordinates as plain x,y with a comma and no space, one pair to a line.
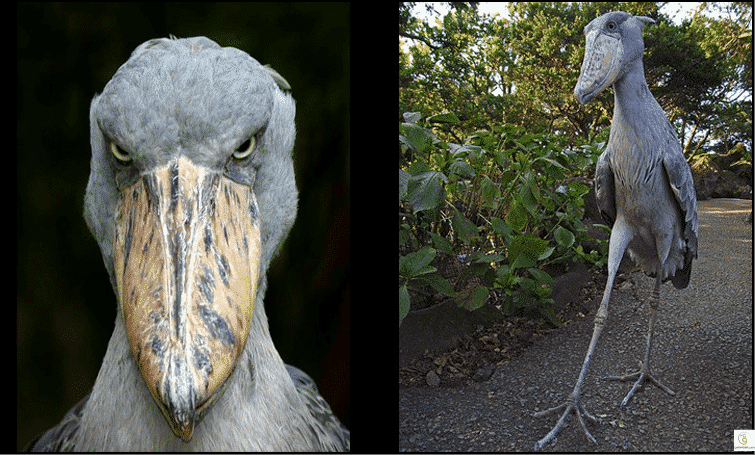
702,349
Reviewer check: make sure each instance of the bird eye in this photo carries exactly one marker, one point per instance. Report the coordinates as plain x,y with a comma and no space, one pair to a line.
611,25
245,149
120,154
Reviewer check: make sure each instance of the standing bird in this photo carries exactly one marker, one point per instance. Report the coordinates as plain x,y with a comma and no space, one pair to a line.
191,194
643,185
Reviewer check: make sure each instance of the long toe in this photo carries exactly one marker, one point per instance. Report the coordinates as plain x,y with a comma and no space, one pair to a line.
641,377
571,405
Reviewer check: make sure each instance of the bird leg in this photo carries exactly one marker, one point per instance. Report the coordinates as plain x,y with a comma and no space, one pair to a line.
644,373
572,403
620,236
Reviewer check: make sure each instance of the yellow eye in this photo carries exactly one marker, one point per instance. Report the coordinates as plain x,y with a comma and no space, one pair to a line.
245,149
120,154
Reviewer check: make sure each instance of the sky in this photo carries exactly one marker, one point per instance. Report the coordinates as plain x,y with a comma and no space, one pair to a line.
677,11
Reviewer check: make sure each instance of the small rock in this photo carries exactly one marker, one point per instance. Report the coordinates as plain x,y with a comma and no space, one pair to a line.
433,380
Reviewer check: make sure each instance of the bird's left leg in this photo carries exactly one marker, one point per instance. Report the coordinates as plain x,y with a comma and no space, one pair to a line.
644,373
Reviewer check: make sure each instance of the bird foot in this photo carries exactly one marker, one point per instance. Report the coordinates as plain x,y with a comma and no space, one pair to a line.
641,376
570,405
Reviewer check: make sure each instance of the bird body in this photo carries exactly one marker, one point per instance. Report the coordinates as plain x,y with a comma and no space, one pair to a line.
652,183
643,186
191,194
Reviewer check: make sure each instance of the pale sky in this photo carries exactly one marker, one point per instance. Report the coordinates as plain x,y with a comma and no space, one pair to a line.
677,11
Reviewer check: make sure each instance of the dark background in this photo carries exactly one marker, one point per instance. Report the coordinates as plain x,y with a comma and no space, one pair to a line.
65,305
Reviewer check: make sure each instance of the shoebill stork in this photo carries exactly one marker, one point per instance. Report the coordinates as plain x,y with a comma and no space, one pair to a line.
643,185
190,195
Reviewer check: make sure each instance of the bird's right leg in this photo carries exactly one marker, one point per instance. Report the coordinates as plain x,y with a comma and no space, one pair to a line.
620,236
572,403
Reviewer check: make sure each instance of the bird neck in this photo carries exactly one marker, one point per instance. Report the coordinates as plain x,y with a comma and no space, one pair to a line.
633,102
638,123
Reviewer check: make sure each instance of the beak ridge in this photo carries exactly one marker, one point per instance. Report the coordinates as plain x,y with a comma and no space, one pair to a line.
600,67
187,250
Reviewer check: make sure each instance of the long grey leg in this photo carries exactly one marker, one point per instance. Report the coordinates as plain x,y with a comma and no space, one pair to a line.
572,403
620,236
644,373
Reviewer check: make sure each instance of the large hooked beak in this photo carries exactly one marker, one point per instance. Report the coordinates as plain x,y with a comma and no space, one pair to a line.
600,67
187,250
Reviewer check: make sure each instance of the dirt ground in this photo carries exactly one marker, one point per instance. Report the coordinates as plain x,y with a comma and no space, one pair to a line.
488,376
